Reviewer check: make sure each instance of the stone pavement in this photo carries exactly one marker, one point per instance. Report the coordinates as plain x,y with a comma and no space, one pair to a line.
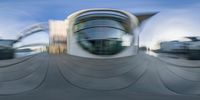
65,77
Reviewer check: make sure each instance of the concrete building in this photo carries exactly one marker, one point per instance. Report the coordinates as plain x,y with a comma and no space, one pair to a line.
6,50
192,44
102,33
96,33
58,36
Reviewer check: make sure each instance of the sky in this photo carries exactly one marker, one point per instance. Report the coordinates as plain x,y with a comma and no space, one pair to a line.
16,15
43,10
170,25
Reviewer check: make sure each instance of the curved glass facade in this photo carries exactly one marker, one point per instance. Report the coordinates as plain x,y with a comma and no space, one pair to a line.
101,36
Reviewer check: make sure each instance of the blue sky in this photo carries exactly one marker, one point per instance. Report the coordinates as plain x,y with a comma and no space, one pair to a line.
43,10
15,15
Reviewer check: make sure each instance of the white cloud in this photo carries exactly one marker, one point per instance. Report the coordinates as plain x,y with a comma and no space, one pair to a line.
169,26
12,22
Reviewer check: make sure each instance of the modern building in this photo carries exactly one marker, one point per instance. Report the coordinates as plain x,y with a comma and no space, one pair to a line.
6,50
97,33
192,44
58,36
102,33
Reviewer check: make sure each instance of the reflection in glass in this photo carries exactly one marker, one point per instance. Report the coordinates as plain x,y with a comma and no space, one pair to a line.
101,35
6,50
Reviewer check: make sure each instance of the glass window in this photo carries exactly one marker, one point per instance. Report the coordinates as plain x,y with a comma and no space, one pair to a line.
101,33
98,22
101,40
102,46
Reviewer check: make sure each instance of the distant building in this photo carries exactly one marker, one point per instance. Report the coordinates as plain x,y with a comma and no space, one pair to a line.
173,46
7,42
193,44
58,37
6,50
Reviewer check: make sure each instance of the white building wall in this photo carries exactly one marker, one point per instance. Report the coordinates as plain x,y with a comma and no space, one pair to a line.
73,47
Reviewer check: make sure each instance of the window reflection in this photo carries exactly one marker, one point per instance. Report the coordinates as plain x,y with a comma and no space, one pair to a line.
99,22
101,36
6,53
6,50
